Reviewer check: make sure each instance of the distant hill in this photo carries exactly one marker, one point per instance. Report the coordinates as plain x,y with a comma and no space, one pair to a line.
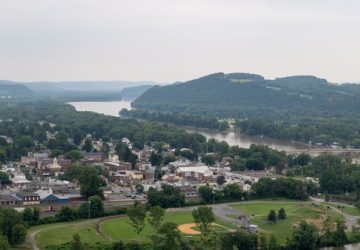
83,90
14,90
249,95
48,87
131,93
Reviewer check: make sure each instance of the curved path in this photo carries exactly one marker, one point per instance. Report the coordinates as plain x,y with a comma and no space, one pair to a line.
350,220
31,236
102,220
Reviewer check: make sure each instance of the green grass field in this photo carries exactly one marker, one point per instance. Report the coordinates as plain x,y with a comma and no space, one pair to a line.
295,212
120,229
115,229
63,233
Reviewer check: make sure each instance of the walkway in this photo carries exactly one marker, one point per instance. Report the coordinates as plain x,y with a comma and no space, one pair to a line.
350,220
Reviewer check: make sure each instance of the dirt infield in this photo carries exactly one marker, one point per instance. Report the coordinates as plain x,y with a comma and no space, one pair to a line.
187,228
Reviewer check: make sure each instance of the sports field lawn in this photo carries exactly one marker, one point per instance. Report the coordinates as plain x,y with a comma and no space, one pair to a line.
63,233
295,212
115,229
119,229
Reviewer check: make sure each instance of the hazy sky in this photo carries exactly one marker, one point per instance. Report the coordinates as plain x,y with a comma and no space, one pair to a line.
171,40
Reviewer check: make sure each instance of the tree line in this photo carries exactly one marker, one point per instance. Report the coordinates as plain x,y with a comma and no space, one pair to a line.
177,119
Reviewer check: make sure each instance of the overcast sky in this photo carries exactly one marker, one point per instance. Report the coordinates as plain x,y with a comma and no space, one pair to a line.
177,40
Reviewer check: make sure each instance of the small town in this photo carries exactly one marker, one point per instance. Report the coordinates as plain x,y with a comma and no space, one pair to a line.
37,180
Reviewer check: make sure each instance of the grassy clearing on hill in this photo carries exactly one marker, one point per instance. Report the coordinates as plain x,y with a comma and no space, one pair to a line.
115,229
295,212
119,229
64,233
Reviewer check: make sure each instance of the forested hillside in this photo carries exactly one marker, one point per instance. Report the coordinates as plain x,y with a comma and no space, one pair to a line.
131,93
240,95
10,90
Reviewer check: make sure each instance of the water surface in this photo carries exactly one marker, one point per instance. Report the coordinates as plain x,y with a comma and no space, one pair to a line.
106,108
232,138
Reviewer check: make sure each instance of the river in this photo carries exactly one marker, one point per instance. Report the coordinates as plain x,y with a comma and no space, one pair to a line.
232,138
106,108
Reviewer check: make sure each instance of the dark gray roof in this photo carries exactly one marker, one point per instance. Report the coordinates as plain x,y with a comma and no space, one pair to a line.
25,194
8,197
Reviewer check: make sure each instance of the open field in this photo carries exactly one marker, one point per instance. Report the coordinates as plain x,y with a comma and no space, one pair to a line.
57,236
113,229
119,229
295,212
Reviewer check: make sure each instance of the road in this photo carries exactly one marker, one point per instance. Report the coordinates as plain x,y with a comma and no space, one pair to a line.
350,220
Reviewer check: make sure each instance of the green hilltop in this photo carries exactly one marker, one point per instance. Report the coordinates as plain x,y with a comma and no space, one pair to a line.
250,95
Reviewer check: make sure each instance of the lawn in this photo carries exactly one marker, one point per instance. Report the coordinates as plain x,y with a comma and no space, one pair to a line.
116,229
60,234
119,229
295,212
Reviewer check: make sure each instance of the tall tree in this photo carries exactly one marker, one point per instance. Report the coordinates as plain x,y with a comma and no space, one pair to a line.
27,215
272,216
156,159
18,234
11,225
203,217
66,214
137,215
282,214
168,237
36,214
88,145
4,244
340,235
156,215
94,207
304,237
90,183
